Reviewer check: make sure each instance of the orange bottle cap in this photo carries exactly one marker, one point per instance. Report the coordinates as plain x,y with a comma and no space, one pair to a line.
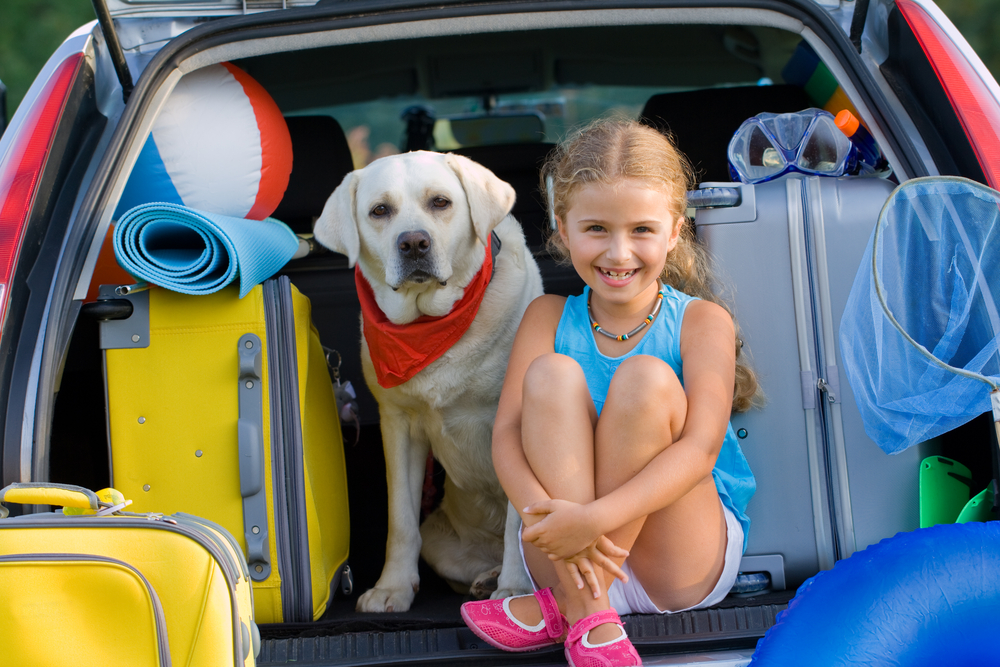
847,123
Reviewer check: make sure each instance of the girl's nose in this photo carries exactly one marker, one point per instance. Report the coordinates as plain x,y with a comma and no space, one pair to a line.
619,249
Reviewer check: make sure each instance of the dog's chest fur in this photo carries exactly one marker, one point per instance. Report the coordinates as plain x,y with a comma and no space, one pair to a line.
451,404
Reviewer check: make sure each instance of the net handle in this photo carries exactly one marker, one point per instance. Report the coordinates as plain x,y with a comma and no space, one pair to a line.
994,388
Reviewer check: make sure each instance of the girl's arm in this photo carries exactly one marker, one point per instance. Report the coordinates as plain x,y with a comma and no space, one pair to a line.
709,358
535,337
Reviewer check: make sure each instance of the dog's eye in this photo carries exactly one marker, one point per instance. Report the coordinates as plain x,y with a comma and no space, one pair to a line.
380,211
440,202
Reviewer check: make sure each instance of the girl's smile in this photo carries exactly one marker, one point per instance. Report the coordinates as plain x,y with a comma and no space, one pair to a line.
618,236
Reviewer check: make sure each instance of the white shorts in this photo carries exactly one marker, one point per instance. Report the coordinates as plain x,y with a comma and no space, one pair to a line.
631,597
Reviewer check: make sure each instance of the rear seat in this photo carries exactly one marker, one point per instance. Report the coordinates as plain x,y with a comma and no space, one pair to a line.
320,160
519,165
703,121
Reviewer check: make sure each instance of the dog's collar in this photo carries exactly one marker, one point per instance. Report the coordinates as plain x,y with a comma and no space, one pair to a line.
400,351
495,246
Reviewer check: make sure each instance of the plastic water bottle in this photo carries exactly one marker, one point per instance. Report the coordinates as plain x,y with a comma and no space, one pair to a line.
868,150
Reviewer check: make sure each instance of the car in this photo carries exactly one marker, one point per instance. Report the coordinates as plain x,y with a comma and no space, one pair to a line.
502,81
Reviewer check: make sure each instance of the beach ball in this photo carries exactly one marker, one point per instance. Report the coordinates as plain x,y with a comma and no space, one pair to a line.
220,145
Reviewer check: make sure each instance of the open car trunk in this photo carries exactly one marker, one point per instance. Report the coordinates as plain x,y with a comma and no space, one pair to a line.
502,83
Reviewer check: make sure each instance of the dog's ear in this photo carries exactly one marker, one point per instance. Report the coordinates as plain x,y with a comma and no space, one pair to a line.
490,199
336,227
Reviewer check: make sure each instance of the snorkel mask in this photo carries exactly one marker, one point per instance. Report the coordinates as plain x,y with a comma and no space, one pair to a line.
770,145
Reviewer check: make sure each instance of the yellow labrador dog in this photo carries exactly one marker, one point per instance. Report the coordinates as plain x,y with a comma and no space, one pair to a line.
431,237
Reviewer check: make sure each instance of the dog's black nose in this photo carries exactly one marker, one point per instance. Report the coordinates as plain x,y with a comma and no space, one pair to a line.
413,245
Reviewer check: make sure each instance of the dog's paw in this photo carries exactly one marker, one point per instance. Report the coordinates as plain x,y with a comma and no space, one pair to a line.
484,585
513,580
385,600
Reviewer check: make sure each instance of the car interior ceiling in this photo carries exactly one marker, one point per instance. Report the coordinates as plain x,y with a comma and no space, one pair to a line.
666,57
694,80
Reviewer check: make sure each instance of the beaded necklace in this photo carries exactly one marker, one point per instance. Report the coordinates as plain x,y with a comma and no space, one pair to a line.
645,322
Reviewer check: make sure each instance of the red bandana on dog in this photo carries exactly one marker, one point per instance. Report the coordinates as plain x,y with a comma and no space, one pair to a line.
400,351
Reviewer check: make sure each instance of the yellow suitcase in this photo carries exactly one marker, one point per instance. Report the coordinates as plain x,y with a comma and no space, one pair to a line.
114,588
224,408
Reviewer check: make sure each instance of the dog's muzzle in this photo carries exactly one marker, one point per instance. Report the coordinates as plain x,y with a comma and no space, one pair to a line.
416,263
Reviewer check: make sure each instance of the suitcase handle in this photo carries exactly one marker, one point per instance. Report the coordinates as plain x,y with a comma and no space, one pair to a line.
78,499
42,493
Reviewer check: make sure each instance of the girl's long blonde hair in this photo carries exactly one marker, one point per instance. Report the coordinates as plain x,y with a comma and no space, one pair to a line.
609,150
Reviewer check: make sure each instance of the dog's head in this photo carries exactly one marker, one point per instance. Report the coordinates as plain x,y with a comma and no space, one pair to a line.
418,224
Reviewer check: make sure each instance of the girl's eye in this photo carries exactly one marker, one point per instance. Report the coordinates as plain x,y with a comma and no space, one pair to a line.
380,211
595,228
440,202
643,230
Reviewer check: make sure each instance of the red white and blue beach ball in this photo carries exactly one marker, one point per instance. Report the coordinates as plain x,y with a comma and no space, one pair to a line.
220,144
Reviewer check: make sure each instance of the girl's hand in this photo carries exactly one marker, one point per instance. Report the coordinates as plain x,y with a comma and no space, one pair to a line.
582,567
565,531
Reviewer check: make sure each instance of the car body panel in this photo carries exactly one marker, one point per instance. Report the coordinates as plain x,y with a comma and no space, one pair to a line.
891,82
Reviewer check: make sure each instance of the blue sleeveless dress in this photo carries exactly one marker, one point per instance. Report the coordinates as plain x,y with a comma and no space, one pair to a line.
575,338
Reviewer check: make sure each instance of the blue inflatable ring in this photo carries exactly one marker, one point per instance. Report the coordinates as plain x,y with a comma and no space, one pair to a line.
926,598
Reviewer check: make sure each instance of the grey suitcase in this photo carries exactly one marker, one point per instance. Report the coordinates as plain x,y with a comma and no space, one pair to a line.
790,249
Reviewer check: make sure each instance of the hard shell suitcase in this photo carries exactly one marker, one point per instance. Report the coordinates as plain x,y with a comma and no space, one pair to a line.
790,250
224,407
113,588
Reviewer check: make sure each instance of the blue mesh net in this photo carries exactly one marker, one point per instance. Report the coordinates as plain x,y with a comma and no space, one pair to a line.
937,264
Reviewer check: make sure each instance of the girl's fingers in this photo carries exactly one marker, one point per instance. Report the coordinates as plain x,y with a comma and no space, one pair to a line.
542,507
612,568
533,532
574,572
595,586
610,549
589,573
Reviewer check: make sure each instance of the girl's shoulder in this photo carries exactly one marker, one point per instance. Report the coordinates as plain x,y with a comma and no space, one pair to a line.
537,329
701,316
545,309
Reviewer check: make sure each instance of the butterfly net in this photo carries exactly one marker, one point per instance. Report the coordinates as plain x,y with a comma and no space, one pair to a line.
920,331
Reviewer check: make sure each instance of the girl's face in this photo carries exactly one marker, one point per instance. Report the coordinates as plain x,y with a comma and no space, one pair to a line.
618,237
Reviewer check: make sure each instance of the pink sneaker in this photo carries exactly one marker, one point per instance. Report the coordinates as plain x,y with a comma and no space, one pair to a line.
616,653
492,622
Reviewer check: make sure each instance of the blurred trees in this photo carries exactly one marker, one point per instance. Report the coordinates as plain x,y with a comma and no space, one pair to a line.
30,31
979,22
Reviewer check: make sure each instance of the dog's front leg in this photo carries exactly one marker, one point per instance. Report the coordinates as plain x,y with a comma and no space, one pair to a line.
405,465
514,578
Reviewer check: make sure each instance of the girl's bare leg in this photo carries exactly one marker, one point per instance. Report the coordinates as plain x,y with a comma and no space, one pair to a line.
680,559
678,552
557,435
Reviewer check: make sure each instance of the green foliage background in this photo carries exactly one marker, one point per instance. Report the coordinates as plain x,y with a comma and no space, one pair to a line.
30,30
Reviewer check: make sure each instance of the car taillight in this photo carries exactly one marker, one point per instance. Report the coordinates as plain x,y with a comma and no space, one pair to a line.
21,169
978,110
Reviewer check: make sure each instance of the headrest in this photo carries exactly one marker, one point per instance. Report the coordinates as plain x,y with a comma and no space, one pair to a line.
703,121
322,159
219,145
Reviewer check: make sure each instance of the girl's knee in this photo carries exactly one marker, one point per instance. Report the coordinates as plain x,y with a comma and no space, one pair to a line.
648,378
554,376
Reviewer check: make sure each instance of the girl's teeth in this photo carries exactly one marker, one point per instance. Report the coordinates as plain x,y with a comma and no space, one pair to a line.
615,274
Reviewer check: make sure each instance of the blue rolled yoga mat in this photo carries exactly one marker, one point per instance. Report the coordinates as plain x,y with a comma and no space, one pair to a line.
195,252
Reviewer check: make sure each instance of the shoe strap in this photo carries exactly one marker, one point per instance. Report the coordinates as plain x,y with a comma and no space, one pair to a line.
554,620
588,623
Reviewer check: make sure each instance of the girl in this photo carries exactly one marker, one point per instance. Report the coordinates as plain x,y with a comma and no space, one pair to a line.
612,433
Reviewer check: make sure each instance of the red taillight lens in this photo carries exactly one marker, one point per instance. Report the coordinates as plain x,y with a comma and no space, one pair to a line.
978,110
21,168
